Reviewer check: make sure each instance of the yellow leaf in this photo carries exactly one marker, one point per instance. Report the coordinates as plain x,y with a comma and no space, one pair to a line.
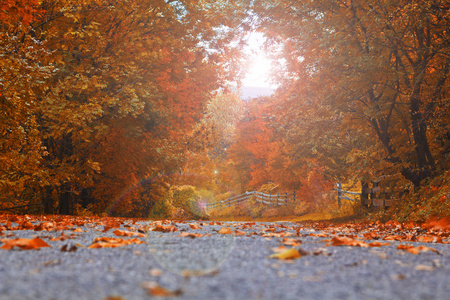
288,254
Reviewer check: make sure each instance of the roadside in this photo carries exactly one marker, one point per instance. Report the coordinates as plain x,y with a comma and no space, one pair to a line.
124,259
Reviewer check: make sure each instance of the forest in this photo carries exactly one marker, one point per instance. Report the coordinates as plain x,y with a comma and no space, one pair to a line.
132,107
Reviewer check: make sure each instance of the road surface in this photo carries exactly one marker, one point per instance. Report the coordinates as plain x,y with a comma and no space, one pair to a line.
217,265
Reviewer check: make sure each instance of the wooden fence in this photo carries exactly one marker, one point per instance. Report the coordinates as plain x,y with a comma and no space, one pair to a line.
369,196
343,195
268,199
373,196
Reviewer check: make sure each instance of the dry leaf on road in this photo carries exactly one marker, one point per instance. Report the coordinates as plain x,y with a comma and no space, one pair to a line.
153,289
288,254
24,244
225,230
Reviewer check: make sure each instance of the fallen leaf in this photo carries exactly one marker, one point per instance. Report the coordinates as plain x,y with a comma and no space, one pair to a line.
435,224
127,233
44,226
378,244
155,272
62,237
318,234
271,234
225,230
154,289
394,238
194,226
416,250
429,239
371,236
346,241
423,268
279,249
291,242
114,298
398,277
168,228
190,234
53,262
26,225
288,254
24,244
67,248
107,242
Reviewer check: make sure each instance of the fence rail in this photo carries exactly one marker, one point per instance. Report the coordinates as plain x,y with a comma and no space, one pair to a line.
374,196
268,199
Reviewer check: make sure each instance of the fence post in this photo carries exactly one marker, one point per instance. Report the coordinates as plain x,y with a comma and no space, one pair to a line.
277,200
270,198
294,196
364,194
339,192
374,191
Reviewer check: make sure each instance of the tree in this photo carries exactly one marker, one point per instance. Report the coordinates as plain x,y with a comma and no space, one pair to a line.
22,72
100,71
380,67
259,151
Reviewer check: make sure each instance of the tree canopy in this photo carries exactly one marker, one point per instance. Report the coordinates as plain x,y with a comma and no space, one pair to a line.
110,106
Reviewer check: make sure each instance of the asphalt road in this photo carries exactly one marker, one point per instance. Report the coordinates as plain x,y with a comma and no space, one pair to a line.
219,266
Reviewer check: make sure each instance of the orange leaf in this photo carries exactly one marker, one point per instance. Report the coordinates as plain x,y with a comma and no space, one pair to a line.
127,233
371,236
24,244
438,224
318,234
394,238
168,228
62,237
291,242
429,239
279,249
26,225
346,241
190,234
44,226
378,244
107,242
155,290
416,250
225,230
194,226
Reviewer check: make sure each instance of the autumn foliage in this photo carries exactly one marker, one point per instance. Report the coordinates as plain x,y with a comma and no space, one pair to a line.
363,95
129,108
96,97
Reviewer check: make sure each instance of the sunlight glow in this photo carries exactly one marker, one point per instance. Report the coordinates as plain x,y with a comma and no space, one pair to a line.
259,72
259,65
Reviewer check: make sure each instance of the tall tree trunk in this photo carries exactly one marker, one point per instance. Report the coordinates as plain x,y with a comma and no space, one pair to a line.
65,200
425,164
47,201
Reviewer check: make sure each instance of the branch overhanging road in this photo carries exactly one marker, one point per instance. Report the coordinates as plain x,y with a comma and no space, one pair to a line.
221,260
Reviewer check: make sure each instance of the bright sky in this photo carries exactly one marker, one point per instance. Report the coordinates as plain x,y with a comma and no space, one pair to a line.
259,65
